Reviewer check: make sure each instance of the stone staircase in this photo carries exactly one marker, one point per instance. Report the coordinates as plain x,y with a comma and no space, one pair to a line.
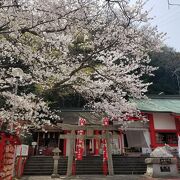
90,165
129,165
43,165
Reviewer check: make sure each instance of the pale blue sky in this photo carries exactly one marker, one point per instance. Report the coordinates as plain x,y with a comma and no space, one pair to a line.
167,20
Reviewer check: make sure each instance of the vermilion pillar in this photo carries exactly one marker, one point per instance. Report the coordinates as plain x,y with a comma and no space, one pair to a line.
177,122
152,131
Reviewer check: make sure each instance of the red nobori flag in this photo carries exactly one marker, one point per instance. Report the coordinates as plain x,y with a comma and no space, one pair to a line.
105,155
105,122
80,142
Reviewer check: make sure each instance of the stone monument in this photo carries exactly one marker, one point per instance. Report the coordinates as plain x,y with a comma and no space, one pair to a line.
161,162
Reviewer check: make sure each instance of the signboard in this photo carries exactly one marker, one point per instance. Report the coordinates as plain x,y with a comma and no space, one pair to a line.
22,150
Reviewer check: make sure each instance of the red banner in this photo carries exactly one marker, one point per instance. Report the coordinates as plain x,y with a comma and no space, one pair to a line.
105,154
80,142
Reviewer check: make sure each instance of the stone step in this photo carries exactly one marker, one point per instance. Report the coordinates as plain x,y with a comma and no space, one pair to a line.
43,165
129,172
130,169
89,173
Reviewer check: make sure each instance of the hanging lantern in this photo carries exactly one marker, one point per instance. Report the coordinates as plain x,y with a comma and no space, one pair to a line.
48,135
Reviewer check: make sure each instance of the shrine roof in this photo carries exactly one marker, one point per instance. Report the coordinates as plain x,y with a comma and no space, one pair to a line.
169,104
49,128
72,116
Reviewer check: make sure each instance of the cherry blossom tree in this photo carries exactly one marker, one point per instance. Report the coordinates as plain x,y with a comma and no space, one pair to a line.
100,48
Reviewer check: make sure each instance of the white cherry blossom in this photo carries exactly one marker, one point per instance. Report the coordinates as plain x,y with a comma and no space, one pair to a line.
100,47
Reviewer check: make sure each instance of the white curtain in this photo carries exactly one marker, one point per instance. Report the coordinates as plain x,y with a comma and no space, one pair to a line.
136,138
179,146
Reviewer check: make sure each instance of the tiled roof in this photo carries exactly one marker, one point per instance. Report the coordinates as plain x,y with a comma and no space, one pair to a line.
171,105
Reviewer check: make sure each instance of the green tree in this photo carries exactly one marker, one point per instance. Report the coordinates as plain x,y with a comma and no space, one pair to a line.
167,77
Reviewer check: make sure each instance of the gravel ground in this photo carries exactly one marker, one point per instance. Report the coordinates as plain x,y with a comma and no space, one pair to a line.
96,177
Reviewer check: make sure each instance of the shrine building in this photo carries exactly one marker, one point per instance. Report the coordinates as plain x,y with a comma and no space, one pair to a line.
137,139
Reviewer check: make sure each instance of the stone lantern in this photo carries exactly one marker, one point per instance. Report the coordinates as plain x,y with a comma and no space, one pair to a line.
161,162
56,157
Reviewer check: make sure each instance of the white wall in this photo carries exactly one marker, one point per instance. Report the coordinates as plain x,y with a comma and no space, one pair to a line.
164,121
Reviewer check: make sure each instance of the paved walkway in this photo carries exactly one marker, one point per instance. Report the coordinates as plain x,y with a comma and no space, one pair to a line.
99,177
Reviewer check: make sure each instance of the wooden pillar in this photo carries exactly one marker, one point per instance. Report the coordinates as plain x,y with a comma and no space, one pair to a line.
37,145
177,123
109,151
71,154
